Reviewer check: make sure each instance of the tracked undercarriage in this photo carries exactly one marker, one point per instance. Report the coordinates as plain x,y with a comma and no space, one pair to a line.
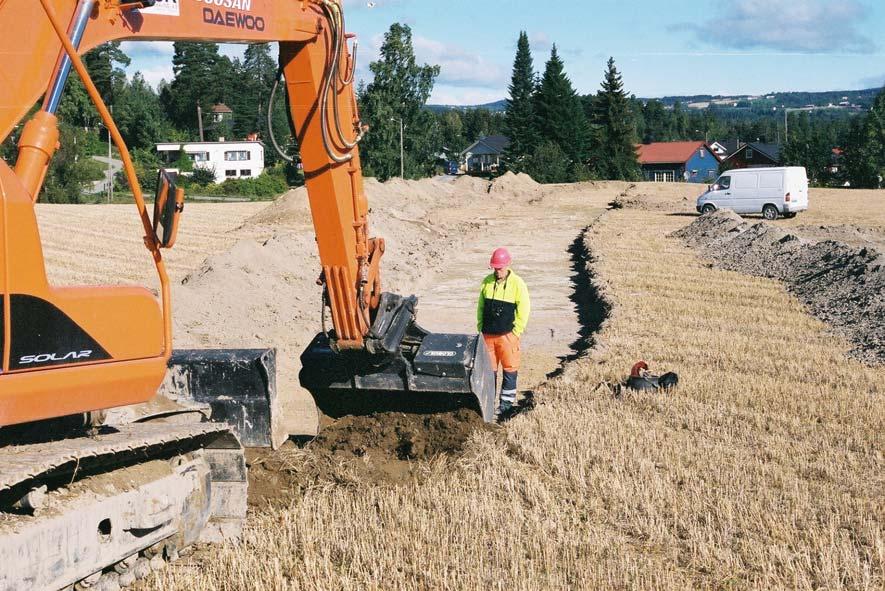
101,506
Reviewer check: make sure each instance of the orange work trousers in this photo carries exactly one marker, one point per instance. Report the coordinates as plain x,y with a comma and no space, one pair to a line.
503,351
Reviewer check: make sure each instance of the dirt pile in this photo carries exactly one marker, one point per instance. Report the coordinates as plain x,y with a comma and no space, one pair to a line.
842,285
515,186
399,436
850,234
386,448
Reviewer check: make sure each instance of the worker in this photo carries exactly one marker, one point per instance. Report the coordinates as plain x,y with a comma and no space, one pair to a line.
502,314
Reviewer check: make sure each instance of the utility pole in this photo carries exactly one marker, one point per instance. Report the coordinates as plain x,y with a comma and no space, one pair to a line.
110,166
200,120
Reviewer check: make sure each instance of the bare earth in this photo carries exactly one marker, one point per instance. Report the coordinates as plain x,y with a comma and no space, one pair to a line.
763,470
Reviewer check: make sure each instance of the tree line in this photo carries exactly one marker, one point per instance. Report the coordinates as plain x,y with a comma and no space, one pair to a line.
202,77
556,134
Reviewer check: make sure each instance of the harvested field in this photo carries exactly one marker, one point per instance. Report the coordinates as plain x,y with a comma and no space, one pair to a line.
842,285
763,470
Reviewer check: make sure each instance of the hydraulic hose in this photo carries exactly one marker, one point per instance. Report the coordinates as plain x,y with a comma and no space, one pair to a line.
270,132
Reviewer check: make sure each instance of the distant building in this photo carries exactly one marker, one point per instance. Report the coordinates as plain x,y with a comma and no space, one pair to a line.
725,148
667,162
485,154
221,112
755,155
229,160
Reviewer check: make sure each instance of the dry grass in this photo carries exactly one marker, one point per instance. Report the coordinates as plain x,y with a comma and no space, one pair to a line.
102,244
764,470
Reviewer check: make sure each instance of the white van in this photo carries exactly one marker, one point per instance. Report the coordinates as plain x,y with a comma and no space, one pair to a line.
772,192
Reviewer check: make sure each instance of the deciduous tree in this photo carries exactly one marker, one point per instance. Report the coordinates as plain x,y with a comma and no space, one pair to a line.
399,92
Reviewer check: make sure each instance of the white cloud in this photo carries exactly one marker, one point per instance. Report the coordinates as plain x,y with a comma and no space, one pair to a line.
461,95
807,26
458,66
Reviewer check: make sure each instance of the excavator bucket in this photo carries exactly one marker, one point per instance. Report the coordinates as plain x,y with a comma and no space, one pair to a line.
403,368
233,386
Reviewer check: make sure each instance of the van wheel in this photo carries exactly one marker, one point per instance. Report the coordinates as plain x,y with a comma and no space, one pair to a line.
769,212
708,208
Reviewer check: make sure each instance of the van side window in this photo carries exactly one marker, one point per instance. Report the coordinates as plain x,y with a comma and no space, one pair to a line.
724,182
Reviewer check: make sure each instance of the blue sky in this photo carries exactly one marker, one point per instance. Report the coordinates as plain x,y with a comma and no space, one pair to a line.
662,48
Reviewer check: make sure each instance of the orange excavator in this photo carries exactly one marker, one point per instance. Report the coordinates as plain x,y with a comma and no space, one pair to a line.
99,505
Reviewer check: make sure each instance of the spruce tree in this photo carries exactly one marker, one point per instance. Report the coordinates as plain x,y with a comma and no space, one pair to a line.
520,124
614,152
560,113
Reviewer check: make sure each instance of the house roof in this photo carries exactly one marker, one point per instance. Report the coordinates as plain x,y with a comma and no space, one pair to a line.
770,151
668,152
221,108
773,151
493,144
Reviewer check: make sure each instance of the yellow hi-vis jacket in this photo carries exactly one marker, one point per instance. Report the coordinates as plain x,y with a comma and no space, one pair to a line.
503,306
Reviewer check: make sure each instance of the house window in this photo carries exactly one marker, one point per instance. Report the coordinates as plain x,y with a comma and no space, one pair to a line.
236,156
749,153
701,152
694,174
664,176
199,156
230,173
246,173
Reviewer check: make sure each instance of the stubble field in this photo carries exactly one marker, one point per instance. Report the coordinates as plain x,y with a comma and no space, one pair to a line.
763,470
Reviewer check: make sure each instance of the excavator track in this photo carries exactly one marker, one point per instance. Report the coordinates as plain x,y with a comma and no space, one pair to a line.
93,508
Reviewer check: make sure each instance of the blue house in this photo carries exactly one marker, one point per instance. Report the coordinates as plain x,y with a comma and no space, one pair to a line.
668,162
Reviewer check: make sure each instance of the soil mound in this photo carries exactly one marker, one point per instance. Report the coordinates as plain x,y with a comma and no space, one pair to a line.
386,448
842,285
398,435
515,185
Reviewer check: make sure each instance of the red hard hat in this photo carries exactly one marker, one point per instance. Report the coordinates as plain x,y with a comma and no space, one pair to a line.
500,259
638,367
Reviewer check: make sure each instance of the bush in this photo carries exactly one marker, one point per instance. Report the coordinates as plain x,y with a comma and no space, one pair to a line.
270,184
203,176
549,164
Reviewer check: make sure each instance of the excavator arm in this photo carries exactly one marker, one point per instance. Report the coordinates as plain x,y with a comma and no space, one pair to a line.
374,357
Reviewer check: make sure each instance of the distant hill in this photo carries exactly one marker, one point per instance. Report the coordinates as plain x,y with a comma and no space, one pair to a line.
496,107
831,98
846,99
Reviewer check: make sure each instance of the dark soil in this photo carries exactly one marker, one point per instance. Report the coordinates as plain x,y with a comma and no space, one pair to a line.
842,285
385,448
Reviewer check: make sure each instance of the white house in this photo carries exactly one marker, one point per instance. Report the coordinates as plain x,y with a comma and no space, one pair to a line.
229,160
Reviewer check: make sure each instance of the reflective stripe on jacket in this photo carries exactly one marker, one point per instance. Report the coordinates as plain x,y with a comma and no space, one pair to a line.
503,306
